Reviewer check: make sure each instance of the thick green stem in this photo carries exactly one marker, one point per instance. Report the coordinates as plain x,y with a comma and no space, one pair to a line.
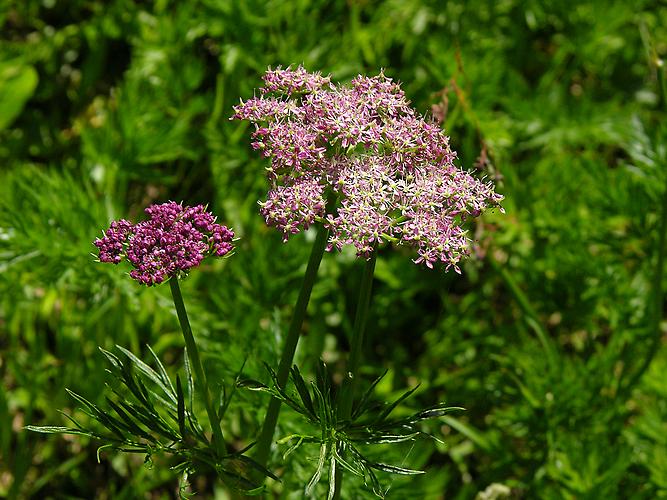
357,340
356,349
266,437
193,355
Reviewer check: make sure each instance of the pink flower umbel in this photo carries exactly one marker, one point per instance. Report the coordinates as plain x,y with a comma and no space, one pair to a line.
392,171
172,241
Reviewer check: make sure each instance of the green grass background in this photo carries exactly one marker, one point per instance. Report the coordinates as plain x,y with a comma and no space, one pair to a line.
548,339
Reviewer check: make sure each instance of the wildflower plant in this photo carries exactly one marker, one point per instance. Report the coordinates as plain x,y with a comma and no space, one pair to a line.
358,161
361,162
159,417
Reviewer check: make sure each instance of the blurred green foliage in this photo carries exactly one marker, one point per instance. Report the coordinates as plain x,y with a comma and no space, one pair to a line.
548,341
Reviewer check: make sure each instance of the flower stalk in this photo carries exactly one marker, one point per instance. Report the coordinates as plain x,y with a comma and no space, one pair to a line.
193,354
357,341
268,428
351,379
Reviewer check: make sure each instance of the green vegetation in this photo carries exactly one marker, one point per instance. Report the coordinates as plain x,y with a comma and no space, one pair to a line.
552,338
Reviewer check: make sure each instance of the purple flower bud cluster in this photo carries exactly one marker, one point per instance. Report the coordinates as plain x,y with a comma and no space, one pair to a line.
173,240
391,170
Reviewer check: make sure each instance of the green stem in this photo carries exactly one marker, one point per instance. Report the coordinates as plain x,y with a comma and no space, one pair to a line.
193,354
266,437
357,340
356,349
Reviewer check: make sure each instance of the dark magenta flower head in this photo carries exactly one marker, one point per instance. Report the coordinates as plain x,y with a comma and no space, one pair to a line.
172,241
390,169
